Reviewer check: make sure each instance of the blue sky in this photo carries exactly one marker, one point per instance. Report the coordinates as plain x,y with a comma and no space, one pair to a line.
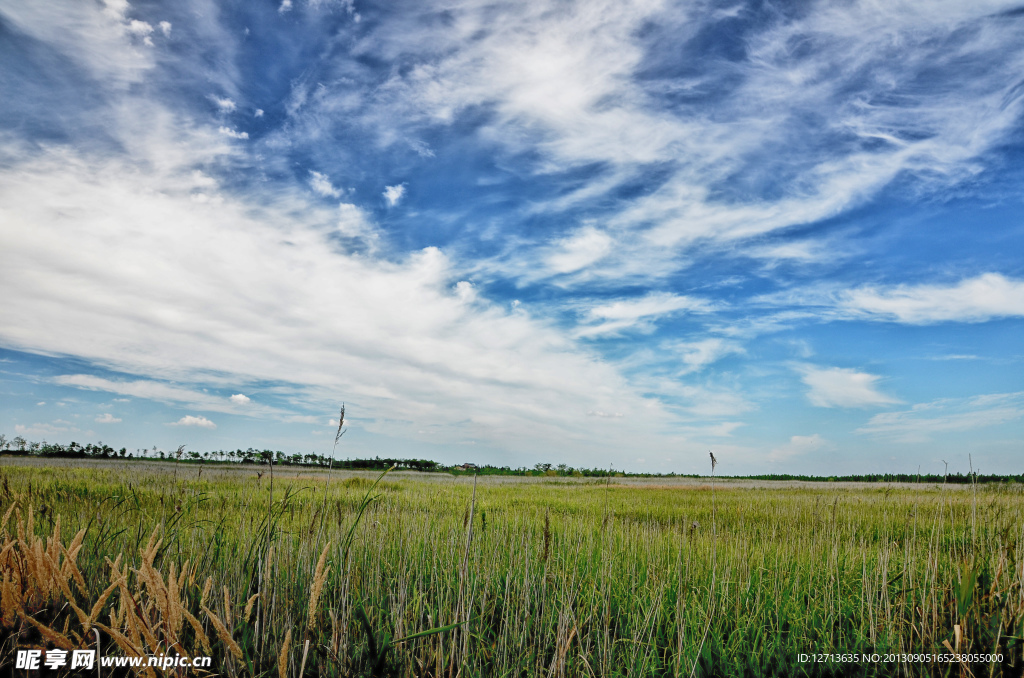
589,233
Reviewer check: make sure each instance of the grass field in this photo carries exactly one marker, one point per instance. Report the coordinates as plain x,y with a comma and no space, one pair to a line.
535,577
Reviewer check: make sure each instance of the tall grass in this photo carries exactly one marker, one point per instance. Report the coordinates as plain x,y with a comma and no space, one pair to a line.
530,578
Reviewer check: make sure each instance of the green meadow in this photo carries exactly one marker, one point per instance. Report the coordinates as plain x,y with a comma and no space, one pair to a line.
344,574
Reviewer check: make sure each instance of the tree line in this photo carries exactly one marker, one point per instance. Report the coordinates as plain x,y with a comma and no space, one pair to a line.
21,447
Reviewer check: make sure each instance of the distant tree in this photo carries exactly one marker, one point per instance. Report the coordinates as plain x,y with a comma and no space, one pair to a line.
3,442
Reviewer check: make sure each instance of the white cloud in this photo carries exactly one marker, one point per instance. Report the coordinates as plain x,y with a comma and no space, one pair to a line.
638,313
107,418
141,29
925,421
321,184
604,415
799,446
692,402
234,134
285,6
201,180
169,393
978,299
165,28
55,429
116,8
140,389
240,399
302,419
353,222
225,104
803,251
100,41
465,291
190,420
842,387
698,354
721,430
579,250
258,113
392,194
653,304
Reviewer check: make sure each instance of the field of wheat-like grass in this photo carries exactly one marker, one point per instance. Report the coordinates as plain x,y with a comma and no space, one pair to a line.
339,576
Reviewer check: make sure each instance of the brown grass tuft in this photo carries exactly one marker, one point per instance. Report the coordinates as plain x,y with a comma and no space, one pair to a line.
282,660
223,633
319,577
248,606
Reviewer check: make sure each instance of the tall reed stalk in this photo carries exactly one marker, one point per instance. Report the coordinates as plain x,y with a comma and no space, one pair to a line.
712,596
334,450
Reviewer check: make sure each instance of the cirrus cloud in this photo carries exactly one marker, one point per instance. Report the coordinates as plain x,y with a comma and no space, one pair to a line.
925,421
972,300
638,313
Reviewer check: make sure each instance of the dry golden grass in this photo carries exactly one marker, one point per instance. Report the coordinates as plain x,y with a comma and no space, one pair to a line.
148,617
